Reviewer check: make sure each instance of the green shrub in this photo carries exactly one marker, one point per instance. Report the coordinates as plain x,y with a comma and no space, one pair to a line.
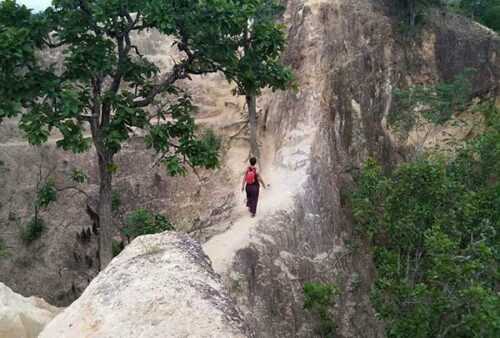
33,230
47,194
78,176
318,299
434,227
143,222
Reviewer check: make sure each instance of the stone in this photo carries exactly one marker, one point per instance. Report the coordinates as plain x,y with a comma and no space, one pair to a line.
160,286
22,317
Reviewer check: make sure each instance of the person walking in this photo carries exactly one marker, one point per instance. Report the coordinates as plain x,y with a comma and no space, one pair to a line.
251,184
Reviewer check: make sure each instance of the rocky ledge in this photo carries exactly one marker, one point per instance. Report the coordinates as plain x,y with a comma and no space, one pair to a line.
160,285
22,317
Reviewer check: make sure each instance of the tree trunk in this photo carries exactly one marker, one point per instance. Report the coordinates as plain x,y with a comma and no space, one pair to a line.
252,119
104,211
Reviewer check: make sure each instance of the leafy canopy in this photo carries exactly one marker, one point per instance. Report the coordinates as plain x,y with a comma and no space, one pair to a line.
486,12
104,80
258,64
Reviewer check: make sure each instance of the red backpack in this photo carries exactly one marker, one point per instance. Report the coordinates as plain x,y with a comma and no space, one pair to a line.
251,175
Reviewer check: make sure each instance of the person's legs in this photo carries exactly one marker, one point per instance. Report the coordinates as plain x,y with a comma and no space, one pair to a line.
248,197
257,188
253,197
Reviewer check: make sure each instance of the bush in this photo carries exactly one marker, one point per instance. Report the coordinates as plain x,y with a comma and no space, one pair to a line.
143,222
318,299
78,176
487,12
434,226
47,194
33,230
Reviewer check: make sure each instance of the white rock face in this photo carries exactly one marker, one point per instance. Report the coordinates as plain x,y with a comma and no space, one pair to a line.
22,317
160,286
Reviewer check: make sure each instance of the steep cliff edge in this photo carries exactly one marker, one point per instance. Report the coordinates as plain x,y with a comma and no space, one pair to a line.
348,57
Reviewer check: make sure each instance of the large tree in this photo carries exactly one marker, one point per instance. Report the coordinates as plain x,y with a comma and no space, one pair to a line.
103,86
258,63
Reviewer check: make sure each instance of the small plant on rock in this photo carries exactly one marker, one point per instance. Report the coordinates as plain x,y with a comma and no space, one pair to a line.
46,194
78,176
33,230
318,299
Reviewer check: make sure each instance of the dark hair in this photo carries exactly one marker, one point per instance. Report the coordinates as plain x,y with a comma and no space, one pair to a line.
253,160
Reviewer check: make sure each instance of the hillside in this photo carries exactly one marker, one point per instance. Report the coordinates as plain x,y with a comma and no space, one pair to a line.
348,56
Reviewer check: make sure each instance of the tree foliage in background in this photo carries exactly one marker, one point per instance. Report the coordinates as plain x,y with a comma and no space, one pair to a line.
424,108
413,10
434,104
106,86
143,222
486,12
435,229
258,63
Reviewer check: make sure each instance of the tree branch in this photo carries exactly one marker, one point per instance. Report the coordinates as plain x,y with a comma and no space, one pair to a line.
73,187
85,9
178,72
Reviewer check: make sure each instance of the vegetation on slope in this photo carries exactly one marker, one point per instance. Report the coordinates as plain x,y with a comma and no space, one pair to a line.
486,12
435,229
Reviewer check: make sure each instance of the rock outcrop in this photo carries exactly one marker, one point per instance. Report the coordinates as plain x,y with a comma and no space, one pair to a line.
349,56
159,286
22,317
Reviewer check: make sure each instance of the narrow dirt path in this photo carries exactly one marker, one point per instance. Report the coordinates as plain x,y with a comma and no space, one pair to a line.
222,248
284,184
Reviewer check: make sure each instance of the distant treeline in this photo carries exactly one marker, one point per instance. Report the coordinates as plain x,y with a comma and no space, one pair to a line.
486,12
